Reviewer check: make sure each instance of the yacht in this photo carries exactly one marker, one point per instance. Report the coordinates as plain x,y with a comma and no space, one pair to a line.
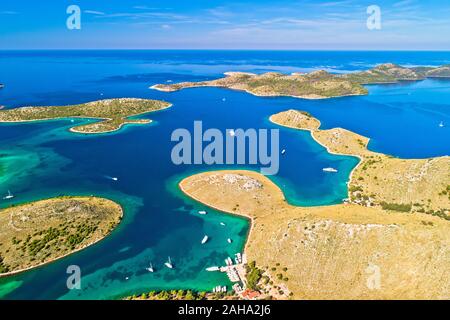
229,240
283,151
205,239
8,196
213,269
329,170
202,212
222,224
169,264
150,268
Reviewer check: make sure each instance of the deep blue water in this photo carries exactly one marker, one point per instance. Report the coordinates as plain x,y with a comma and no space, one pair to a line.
45,160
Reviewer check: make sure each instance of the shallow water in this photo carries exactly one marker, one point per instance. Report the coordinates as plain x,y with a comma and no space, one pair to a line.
44,160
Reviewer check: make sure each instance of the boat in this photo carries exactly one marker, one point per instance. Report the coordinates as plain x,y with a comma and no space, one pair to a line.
229,240
222,224
210,269
441,125
223,99
115,179
283,151
8,196
150,268
329,170
202,212
169,264
205,239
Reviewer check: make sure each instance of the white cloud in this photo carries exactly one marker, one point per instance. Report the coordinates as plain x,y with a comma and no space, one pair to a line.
98,13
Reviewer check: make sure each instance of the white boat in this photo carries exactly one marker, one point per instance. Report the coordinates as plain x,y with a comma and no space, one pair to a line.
150,268
169,81
115,179
223,99
169,264
205,239
202,212
329,170
229,240
213,269
441,124
8,196
222,224
283,151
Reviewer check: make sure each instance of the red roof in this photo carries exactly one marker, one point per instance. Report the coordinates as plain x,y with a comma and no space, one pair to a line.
250,294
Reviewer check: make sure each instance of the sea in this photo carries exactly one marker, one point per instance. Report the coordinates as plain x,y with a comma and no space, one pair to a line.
43,159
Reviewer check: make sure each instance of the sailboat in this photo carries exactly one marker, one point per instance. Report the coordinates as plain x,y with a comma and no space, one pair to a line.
9,196
169,264
441,124
150,268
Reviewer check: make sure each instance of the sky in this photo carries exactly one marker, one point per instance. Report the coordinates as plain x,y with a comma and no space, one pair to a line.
226,24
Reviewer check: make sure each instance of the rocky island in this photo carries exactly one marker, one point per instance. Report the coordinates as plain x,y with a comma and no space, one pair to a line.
111,114
315,85
396,219
40,232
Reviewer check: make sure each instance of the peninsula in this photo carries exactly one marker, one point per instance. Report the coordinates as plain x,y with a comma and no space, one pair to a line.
408,185
315,85
389,240
40,232
110,114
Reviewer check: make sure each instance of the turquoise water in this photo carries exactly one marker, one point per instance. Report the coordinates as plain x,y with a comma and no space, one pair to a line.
42,160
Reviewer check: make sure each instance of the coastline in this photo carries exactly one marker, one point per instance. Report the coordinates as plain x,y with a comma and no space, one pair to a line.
306,97
249,218
19,271
98,120
327,148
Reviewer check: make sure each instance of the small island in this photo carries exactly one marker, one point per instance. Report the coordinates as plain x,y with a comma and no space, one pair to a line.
315,85
112,114
40,232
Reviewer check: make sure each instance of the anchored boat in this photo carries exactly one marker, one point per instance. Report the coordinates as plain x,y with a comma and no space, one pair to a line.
169,264
8,196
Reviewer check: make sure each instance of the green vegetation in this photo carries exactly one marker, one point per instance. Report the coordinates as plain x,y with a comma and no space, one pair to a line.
42,231
253,275
396,207
111,114
179,295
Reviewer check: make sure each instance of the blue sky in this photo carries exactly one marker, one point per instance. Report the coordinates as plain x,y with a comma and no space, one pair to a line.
219,24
